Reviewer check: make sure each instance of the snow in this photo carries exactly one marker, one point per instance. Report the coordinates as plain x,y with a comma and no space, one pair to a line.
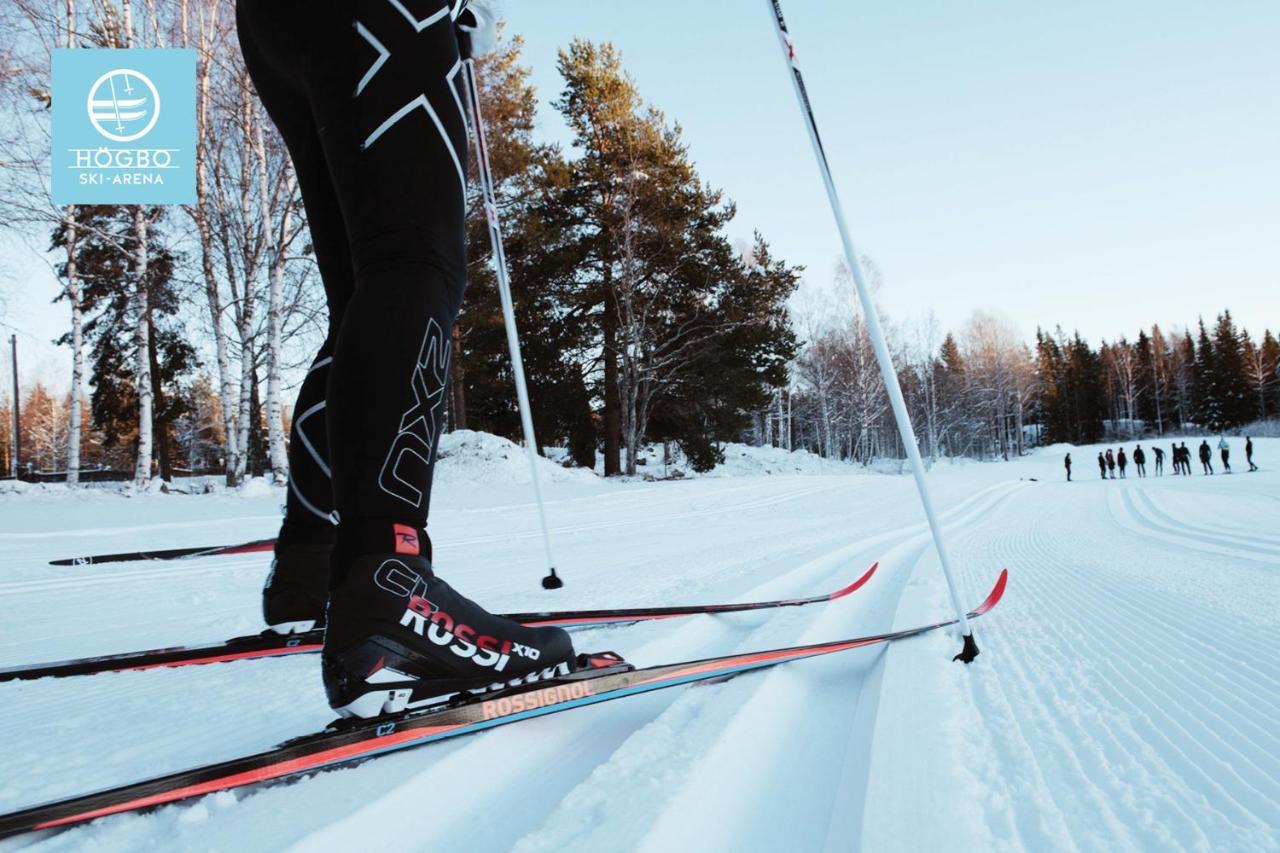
467,456
1125,699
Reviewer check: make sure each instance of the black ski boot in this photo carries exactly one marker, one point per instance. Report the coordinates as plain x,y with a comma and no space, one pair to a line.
297,589
400,638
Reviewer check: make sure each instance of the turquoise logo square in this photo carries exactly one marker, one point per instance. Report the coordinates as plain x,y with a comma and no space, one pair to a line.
124,126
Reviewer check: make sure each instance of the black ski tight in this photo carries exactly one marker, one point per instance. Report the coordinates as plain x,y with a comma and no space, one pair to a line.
368,97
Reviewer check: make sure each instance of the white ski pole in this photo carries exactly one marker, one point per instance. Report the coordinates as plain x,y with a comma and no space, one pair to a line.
970,650
552,580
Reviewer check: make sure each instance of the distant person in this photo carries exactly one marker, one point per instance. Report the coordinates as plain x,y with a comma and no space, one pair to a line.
1206,457
1225,450
1067,464
1140,461
1185,453
1159,461
1122,461
1102,465
1111,463
1248,453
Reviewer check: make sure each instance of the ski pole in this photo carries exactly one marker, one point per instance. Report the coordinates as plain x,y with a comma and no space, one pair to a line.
970,650
552,580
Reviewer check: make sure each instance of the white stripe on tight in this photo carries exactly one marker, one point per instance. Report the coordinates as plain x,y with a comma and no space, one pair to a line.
324,362
421,101
453,90
297,493
383,55
297,427
426,22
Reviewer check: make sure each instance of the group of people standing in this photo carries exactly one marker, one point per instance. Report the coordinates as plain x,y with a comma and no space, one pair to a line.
1109,462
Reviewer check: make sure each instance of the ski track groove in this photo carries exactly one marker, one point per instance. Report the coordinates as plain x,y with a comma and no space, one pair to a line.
1219,545
1030,552
1270,543
915,542
1082,755
1181,630
1173,633
1147,724
1162,725
1063,757
1189,689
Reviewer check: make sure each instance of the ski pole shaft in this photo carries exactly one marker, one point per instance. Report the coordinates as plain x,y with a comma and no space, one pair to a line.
551,581
873,327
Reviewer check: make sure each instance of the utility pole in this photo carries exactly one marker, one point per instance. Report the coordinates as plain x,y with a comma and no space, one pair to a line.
17,435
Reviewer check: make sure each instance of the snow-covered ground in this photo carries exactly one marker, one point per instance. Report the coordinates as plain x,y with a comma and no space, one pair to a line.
1127,696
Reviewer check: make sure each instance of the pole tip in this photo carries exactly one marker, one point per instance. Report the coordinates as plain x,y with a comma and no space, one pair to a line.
552,581
968,653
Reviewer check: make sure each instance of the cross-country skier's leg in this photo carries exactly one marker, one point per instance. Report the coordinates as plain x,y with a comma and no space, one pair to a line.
380,86
297,588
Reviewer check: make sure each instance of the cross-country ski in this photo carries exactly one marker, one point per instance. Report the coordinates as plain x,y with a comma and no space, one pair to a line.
272,644
598,678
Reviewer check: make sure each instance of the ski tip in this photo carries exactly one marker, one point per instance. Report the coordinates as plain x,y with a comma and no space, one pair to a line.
255,547
993,598
853,587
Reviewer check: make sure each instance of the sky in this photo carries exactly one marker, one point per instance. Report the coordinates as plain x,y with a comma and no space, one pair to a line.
1097,165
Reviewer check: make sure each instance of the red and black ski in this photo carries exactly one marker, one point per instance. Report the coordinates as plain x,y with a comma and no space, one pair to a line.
168,554
270,644
606,677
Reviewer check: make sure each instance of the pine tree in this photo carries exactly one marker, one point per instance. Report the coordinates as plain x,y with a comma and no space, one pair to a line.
1263,365
1161,401
1230,377
951,381
668,295
1182,372
1055,395
1209,409
528,180
1085,379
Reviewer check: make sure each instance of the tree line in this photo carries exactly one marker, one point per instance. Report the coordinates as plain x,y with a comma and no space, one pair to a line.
983,392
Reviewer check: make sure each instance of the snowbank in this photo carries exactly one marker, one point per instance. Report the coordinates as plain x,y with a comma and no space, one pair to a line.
470,457
744,460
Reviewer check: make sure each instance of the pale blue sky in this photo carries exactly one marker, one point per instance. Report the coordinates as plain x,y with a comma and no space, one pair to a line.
1096,164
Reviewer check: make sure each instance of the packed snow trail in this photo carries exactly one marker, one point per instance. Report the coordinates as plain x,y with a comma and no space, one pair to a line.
1126,696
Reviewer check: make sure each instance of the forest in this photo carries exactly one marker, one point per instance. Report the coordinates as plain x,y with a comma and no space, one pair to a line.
642,321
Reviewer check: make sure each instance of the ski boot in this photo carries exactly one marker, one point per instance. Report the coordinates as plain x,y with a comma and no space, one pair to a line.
297,589
400,638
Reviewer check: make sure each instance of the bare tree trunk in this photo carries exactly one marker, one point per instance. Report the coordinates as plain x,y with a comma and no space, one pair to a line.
789,419
248,364
77,317
142,352
457,383
612,426
77,342
160,436
277,451
200,212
